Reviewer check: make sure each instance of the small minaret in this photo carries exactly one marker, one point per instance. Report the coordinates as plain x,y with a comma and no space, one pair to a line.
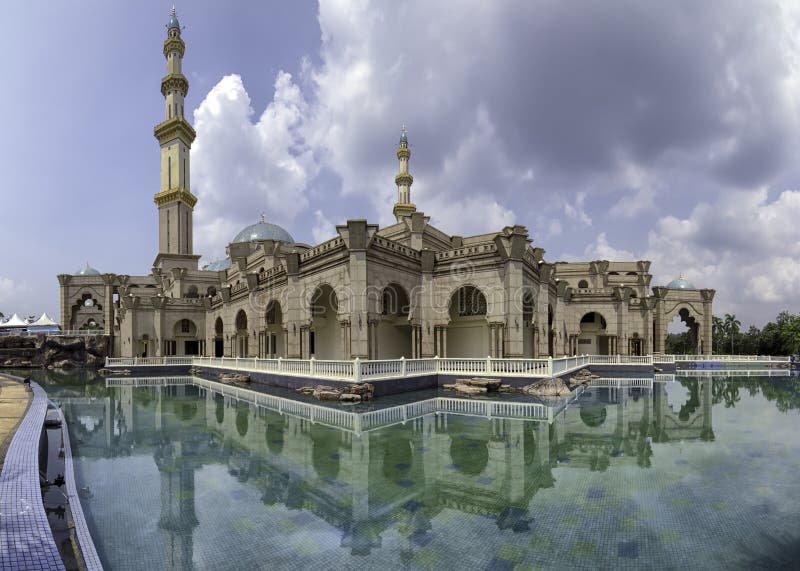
175,135
403,207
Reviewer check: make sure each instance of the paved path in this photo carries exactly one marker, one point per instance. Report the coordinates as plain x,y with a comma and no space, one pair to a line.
26,541
14,400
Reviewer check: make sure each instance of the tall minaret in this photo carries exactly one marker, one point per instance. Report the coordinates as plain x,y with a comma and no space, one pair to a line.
175,135
403,207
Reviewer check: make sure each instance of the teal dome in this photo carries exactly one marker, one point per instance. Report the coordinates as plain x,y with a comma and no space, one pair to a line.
218,265
263,231
681,283
87,271
173,20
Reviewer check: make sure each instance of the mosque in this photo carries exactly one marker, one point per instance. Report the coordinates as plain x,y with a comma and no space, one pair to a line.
405,290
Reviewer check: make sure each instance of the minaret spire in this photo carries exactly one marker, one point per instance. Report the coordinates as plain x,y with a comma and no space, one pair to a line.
175,136
403,207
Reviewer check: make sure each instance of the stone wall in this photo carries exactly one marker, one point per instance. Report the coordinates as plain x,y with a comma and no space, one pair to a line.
55,352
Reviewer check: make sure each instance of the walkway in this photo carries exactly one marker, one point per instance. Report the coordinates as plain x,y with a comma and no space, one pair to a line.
26,541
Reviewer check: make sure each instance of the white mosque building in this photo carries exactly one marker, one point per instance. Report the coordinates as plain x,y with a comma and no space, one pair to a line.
408,289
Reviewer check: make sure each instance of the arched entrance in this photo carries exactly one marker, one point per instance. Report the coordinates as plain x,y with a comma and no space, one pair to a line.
683,334
184,339
593,339
272,343
324,338
528,326
468,330
219,339
241,338
394,328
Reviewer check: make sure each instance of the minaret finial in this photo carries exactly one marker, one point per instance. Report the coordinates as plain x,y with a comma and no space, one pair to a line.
263,217
173,13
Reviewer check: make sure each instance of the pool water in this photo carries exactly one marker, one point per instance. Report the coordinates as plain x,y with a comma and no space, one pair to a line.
695,473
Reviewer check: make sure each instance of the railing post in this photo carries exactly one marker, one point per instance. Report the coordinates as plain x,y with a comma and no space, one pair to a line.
311,367
236,362
280,364
357,369
437,365
488,364
549,365
402,366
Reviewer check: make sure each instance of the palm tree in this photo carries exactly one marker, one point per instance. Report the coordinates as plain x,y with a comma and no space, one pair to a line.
732,326
717,332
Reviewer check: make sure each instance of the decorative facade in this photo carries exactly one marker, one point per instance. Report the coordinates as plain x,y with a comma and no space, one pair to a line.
405,290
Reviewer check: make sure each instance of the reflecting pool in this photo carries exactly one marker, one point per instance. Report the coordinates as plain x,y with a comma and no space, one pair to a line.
694,473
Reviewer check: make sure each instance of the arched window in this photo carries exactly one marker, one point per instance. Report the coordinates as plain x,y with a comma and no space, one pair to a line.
583,284
471,301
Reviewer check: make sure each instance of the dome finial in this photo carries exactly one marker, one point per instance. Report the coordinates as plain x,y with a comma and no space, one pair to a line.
173,19
263,217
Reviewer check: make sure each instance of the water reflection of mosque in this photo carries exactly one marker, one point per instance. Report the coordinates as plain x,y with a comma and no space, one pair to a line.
401,475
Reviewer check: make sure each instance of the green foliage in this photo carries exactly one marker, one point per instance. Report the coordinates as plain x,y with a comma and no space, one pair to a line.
779,337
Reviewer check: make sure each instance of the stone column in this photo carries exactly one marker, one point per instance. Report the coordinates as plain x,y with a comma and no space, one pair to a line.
64,305
444,342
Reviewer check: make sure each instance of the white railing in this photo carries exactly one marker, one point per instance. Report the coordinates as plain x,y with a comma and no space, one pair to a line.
734,358
365,421
374,370
148,381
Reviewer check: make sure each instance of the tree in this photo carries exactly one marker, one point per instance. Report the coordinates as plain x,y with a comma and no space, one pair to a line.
732,326
717,333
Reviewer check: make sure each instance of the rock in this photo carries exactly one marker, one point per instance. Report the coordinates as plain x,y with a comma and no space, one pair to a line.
350,397
469,390
305,390
552,387
327,395
65,364
365,390
450,387
488,384
508,389
233,378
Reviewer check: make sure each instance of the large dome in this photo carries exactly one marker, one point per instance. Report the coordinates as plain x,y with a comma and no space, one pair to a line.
681,283
263,231
87,271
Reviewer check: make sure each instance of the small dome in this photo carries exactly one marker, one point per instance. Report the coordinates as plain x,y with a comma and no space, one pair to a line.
218,265
681,283
173,20
87,271
263,231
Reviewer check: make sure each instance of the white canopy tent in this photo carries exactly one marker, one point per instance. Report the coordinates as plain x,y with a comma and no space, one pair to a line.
15,321
44,321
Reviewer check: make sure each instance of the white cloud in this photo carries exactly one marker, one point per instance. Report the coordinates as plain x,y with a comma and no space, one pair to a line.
242,167
575,210
323,228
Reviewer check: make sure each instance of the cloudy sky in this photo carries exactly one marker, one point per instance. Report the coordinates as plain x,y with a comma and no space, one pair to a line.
612,129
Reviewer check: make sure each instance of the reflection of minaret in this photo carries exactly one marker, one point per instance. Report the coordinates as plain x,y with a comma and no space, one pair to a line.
708,429
178,518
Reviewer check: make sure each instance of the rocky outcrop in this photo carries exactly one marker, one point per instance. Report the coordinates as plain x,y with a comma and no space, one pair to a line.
234,378
53,352
348,394
582,377
551,387
478,386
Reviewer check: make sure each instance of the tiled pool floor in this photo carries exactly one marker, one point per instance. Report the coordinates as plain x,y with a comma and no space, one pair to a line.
686,475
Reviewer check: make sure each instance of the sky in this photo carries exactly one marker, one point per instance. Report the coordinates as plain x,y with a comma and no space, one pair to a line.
614,129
